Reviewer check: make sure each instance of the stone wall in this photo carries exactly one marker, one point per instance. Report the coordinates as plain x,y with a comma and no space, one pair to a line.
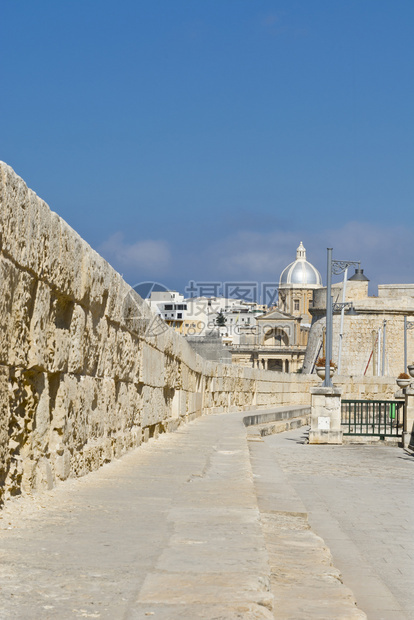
86,371
360,331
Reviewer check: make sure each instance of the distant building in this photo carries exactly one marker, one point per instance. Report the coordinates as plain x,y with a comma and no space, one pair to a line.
280,338
171,306
202,313
296,285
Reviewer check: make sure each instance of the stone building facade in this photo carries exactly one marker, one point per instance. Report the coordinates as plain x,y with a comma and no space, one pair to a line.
373,338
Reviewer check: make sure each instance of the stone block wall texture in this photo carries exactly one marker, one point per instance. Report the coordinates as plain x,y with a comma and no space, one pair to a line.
394,301
86,372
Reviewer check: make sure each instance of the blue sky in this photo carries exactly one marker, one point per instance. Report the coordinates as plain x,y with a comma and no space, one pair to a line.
204,139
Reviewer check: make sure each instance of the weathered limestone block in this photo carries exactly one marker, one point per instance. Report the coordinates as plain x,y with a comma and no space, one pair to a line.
126,359
64,409
154,407
193,380
38,234
27,427
77,344
173,370
62,463
38,354
4,426
120,417
95,338
166,340
14,215
109,358
185,378
132,411
41,422
184,404
113,308
18,288
68,278
51,261
59,337
9,276
191,403
94,405
152,366
39,473
96,276
136,316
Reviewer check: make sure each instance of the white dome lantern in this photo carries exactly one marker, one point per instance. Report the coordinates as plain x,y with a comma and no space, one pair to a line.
300,273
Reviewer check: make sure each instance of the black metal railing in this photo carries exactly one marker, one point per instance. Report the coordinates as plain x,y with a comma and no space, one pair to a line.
372,417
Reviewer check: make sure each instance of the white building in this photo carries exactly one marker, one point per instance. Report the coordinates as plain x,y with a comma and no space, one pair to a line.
171,306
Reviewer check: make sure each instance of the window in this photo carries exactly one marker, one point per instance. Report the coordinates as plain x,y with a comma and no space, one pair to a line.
168,307
179,315
296,302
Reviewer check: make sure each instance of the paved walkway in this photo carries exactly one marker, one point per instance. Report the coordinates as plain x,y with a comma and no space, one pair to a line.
171,530
181,528
360,500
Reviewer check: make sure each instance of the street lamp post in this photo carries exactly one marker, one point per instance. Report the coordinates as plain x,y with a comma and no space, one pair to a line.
335,267
407,325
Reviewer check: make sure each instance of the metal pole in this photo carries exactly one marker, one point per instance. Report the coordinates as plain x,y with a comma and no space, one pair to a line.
379,353
328,356
405,344
374,352
383,349
341,329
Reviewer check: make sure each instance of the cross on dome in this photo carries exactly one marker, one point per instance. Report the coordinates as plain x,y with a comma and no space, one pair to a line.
301,252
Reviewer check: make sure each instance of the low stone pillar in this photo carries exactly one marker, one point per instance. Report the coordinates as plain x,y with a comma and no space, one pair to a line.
325,415
408,424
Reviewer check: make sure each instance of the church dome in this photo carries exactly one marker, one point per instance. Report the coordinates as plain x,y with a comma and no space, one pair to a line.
300,273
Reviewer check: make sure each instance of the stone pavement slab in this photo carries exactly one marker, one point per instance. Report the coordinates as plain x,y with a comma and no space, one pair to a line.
171,530
360,500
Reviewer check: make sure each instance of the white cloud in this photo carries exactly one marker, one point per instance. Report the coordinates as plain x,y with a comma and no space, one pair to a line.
149,257
254,254
386,254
